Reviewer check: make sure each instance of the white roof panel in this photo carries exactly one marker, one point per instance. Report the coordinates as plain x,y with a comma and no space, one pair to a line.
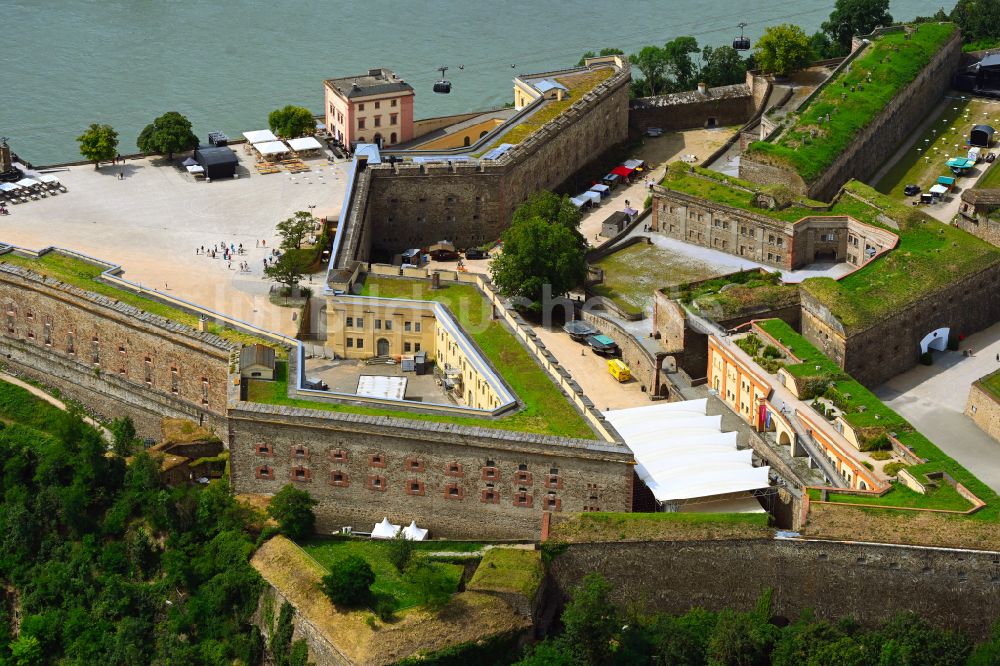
260,136
304,143
271,147
377,386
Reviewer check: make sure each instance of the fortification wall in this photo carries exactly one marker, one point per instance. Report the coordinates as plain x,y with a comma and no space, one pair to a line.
984,409
892,344
412,205
716,107
641,362
952,588
435,473
145,366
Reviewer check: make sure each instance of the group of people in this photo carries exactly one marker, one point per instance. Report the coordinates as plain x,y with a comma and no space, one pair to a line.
229,251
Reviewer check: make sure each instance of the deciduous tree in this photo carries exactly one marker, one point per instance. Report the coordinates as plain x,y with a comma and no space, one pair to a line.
537,253
289,268
170,133
349,582
291,121
293,509
99,143
856,17
294,230
723,66
783,49
652,63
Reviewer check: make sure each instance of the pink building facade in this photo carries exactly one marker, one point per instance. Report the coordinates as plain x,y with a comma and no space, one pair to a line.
376,107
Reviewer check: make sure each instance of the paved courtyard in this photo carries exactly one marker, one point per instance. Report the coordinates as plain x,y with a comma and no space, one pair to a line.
342,376
151,222
933,399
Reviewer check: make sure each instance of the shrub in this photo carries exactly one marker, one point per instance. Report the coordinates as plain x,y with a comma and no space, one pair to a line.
879,443
892,469
384,607
399,551
648,203
292,508
434,586
771,351
868,465
927,358
349,582
880,455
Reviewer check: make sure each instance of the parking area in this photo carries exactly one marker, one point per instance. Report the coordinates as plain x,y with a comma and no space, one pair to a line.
152,220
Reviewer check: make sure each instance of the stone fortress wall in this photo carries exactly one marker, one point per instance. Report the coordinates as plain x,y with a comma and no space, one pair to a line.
111,357
876,143
459,481
957,589
984,408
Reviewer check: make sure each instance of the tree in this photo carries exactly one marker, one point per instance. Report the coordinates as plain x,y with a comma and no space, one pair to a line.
433,585
652,62
551,208
291,121
537,253
680,64
170,133
349,582
292,508
399,551
295,229
604,52
123,432
722,66
823,47
289,268
856,17
783,49
978,19
591,620
99,143
26,651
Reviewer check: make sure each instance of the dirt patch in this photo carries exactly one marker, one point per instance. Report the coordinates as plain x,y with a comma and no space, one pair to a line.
591,528
916,529
182,431
469,616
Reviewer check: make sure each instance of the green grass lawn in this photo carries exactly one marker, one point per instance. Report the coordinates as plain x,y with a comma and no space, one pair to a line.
82,274
925,161
546,410
943,497
388,581
991,383
990,179
893,63
509,570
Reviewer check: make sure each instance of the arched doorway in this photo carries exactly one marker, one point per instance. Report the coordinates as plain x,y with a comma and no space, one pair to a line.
937,339
783,439
377,139
466,141
483,133
382,347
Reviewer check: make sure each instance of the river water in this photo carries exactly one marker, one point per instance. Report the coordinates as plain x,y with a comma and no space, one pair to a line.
227,63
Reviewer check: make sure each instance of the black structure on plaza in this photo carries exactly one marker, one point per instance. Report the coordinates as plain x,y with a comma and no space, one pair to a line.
982,78
218,162
982,136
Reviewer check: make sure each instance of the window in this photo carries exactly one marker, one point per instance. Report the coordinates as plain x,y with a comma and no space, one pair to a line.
407,346
407,326
490,495
376,460
378,121
204,390
523,467
361,107
414,487
360,343
265,472
350,322
552,503
300,451
453,469
376,482
301,474
415,464
338,455
361,123
523,498
393,117
416,346
350,343
11,313
388,324
378,324
95,351
416,327
47,333
490,473
553,481
265,450
71,343
377,104
174,381
523,478
339,479
393,104
148,371
453,491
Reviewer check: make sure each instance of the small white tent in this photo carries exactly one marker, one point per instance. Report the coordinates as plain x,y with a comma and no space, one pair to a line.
385,530
414,533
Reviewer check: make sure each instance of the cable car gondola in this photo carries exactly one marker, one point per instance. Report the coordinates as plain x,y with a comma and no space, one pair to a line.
443,86
741,43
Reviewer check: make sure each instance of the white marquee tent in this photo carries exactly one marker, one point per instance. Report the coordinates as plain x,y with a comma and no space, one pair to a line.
682,455
304,143
385,529
271,148
414,533
259,136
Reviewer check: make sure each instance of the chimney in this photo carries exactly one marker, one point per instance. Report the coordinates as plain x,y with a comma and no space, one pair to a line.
702,88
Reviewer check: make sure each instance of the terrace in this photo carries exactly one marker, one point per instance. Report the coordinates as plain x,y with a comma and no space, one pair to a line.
870,82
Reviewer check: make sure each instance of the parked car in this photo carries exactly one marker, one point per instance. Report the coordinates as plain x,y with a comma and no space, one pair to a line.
579,330
654,131
603,345
475,253
911,190
990,157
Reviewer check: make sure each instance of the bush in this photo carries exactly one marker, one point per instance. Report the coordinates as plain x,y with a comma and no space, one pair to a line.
771,351
927,358
879,443
434,586
349,582
880,455
384,607
892,469
868,465
399,551
648,203
292,508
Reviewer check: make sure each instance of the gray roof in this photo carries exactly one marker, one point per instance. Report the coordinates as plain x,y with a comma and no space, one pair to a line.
257,354
378,81
990,60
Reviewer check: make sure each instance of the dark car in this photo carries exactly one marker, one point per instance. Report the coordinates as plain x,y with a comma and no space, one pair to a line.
911,190
579,330
990,157
477,254
603,345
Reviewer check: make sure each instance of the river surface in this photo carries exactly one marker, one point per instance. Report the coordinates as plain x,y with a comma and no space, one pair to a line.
227,63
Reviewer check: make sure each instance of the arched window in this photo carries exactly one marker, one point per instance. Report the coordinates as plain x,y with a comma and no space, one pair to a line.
392,138
466,141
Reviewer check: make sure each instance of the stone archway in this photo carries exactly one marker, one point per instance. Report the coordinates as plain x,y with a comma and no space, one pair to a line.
783,439
382,347
936,339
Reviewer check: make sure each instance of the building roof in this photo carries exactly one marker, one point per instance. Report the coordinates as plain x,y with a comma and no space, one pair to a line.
546,85
978,197
257,354
377,81
990,60
211,155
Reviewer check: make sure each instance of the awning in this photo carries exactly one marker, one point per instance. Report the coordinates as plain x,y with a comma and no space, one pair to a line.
304,143
633,164
28,182
595,197
938,189
600,187
260,136
385,530
946,180
9,187
622,171
631,212
271,148
578,202
196,168
48,178
612,177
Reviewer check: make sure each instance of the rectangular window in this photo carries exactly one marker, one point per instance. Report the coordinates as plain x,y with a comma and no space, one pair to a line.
339,479
360,322
95,351
414,487
393,104
376,460
204,390
378,324
378,120
350,343
47,333
453,469
301,474
350,322
453,491
407,326
70,343
416,327
393,117
388,324
377,104
361,107
523,499
361,123
148,371
265,472
338,455
174,381
376,483
264,450
490,496
407,346
361,343
416,346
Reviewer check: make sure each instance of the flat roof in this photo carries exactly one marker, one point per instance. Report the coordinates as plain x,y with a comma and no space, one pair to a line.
378,81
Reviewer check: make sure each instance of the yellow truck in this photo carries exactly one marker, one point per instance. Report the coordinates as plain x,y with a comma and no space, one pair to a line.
619,370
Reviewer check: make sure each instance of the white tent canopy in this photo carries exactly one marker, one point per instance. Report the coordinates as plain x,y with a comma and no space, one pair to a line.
28,182
385,529
259,136
196,168
9,187
595,197
271,148
579,202
414,533
682,454
305,143
48,178
600,187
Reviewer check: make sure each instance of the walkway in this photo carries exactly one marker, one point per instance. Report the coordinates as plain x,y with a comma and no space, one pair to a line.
933,399
42,395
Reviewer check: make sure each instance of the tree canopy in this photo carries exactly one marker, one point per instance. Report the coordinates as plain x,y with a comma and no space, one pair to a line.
674,68
294,230
99,143
979,21
856,17
170,133
722,66
289,268
607,51
783,49
291,122
349,582
542,248
293,509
